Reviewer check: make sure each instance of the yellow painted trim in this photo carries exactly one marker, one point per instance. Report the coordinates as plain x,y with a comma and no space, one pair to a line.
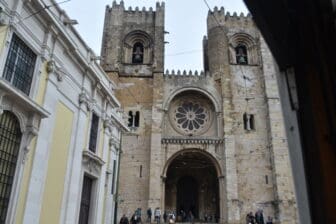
57,166
42,84
25,183
3,37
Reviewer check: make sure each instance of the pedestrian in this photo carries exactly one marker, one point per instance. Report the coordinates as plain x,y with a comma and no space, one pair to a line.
259,217
124,219
138,215
269,220
190,216
183,215
250,218
157,215
164,216
149,215
133,219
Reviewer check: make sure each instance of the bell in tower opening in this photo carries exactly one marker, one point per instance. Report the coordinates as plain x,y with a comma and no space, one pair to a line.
138,51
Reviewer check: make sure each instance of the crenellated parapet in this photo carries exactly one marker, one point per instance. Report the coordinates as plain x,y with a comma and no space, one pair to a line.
137,14
186,74
218,17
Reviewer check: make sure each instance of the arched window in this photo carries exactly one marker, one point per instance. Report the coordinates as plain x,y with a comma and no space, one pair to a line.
130,119
10,139
248,122
138,48
133,119
241,54
138,53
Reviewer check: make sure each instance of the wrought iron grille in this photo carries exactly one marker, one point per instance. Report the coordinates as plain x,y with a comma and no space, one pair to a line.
85,201
20,63
10,138
94,133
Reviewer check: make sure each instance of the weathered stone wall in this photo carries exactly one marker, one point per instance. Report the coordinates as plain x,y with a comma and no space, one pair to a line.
252,166
133,188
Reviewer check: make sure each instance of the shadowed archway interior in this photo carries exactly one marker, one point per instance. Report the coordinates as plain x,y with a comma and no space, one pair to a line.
192,187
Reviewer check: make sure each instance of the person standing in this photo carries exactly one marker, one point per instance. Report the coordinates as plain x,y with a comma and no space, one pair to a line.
164,216
259,217
124,219
250,218
157,214
149,215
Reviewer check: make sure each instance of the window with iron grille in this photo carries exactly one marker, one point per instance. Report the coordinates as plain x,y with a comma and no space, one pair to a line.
84,213
20,63
94,133
10,138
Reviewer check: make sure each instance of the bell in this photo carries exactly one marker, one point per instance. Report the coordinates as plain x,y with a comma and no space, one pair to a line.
241,59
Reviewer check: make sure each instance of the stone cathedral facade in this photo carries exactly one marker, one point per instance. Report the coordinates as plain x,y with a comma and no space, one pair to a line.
209,142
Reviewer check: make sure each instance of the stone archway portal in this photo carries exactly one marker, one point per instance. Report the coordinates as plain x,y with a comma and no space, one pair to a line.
192,186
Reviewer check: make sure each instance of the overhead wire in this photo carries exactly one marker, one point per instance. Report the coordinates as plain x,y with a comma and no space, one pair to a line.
37,12
44,8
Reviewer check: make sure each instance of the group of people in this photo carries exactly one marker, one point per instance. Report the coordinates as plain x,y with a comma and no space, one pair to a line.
257,218
135,219
170,217
167,216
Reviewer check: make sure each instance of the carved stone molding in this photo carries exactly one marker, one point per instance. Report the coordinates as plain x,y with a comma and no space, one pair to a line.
181,140
114,142
53,68
28,135
108,124
84,98
2,94
92,162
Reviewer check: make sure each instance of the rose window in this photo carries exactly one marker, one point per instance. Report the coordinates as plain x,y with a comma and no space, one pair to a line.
190,117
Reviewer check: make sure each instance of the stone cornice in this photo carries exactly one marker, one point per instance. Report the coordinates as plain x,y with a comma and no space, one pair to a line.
7,90
192,140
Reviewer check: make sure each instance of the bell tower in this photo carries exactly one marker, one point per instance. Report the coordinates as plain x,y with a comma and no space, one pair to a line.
133,40
132,55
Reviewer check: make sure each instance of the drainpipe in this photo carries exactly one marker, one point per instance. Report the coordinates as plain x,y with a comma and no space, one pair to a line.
117,184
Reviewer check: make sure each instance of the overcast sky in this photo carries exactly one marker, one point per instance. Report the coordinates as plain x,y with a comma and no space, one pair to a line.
185,22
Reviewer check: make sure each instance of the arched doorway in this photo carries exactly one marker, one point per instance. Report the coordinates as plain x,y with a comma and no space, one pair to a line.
192,186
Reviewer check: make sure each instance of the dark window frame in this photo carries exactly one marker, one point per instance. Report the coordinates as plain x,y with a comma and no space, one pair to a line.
20,65
249,122
135,53
114,173
133,119
241,52
94,133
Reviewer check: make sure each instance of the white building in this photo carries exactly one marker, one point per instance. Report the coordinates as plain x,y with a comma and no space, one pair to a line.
60,123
